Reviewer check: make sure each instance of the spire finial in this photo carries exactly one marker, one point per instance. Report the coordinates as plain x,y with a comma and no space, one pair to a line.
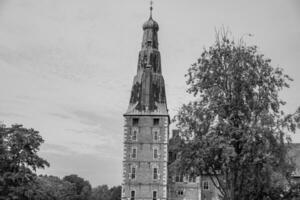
151,8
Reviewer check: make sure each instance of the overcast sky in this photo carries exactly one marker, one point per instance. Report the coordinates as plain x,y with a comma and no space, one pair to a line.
66,66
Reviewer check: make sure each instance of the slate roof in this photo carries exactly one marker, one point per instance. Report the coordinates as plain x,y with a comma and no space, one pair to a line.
148,96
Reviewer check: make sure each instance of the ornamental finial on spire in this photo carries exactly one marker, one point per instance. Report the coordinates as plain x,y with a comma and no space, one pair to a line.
150,23
151,8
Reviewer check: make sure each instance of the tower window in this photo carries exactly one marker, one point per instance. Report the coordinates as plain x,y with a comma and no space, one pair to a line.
179,178
132,174
154,195
156,121
155,132
134,133
132,195
192,179
180,192
133,154
155,173
155,153
205,185
135,121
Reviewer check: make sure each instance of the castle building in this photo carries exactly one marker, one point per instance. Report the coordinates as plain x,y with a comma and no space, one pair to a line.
148,150
146,128
146,134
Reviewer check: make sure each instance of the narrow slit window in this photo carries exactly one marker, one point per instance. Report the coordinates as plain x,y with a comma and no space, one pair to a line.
155,133
132,195
154,195
133,171
155,153
134,133
133,154
155,173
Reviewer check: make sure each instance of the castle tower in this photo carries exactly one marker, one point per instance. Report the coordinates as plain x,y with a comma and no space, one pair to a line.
146,127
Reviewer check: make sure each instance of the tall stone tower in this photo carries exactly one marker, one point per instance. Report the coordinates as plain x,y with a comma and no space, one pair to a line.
146,127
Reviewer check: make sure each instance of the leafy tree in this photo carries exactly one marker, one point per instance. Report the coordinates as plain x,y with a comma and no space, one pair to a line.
53,188
115,193
100,193
19,161
104,193
235,131
83,188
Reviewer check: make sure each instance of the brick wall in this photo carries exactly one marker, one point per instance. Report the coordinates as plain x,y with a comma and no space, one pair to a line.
143,184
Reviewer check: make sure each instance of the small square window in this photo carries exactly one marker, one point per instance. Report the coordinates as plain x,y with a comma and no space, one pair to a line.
205,185
156,121
179,178
192,179
135,121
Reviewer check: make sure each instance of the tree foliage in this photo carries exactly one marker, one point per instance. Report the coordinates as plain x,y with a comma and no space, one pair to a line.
18,161
104,193
53,188
235,130
82,187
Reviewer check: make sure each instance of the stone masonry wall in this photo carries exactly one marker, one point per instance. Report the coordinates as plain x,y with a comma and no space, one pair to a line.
144,184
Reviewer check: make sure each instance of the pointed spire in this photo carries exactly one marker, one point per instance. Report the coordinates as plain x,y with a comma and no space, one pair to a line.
148,91
151,8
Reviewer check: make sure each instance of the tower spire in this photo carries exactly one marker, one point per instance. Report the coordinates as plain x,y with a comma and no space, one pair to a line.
151,8
148,91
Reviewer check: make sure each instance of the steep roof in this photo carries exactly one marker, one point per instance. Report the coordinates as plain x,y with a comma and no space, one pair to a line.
148,96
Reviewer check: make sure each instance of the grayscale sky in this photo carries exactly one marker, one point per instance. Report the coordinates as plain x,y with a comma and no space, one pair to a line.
66,66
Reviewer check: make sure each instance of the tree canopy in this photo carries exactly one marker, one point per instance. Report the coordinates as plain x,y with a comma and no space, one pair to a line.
53,188
235,130
19,161
102,192
82,187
